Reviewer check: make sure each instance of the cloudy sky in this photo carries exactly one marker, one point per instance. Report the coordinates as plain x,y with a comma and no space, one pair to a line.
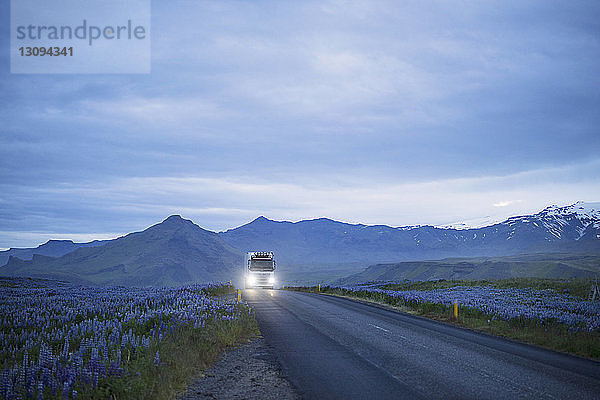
392,112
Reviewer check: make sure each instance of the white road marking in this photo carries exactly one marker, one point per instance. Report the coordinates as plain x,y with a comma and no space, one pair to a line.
378,327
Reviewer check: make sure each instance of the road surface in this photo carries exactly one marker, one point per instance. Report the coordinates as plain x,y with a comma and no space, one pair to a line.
335,348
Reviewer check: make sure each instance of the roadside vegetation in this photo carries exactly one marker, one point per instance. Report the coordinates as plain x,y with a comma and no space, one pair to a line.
64,342
552,313
578,287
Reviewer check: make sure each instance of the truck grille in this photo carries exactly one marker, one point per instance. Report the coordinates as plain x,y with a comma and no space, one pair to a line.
261,279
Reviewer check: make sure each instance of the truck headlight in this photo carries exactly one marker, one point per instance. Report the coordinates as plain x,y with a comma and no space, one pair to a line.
271,280
251,280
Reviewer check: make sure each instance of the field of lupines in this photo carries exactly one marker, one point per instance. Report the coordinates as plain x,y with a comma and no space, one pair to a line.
539,306
65,342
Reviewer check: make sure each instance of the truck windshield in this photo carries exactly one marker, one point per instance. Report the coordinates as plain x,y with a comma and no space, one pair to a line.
261,265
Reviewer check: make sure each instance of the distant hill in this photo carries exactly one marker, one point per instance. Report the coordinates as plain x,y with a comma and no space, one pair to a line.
532,265
52,248
574,228
173,252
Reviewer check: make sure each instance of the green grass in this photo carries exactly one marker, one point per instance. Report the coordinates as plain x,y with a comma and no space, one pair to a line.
578,287
543,265
183,355
219,290
554,336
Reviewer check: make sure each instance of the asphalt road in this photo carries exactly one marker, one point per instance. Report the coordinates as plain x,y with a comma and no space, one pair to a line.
334,348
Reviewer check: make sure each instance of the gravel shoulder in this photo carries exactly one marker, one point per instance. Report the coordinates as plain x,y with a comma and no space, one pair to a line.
250,371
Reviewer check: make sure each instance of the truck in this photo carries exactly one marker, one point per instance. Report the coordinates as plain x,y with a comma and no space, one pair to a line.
260,269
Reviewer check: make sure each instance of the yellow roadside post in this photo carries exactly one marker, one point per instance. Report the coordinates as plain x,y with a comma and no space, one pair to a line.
456,310
319,288
239,295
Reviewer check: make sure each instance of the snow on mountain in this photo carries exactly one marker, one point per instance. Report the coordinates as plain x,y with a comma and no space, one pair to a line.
567,222
408,227
474,223
553,218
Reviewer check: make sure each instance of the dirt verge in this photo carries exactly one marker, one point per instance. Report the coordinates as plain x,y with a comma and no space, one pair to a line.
250,371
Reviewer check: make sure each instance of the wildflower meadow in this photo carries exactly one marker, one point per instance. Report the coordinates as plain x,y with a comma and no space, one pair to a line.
62,341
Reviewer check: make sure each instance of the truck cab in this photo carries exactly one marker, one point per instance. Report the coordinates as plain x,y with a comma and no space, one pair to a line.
260,269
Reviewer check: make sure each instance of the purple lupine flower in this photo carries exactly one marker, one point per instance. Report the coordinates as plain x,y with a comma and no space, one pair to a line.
66,390
40,389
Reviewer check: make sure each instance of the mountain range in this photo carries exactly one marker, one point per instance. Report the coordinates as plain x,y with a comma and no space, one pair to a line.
173,252
52,248
177,251
343,249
